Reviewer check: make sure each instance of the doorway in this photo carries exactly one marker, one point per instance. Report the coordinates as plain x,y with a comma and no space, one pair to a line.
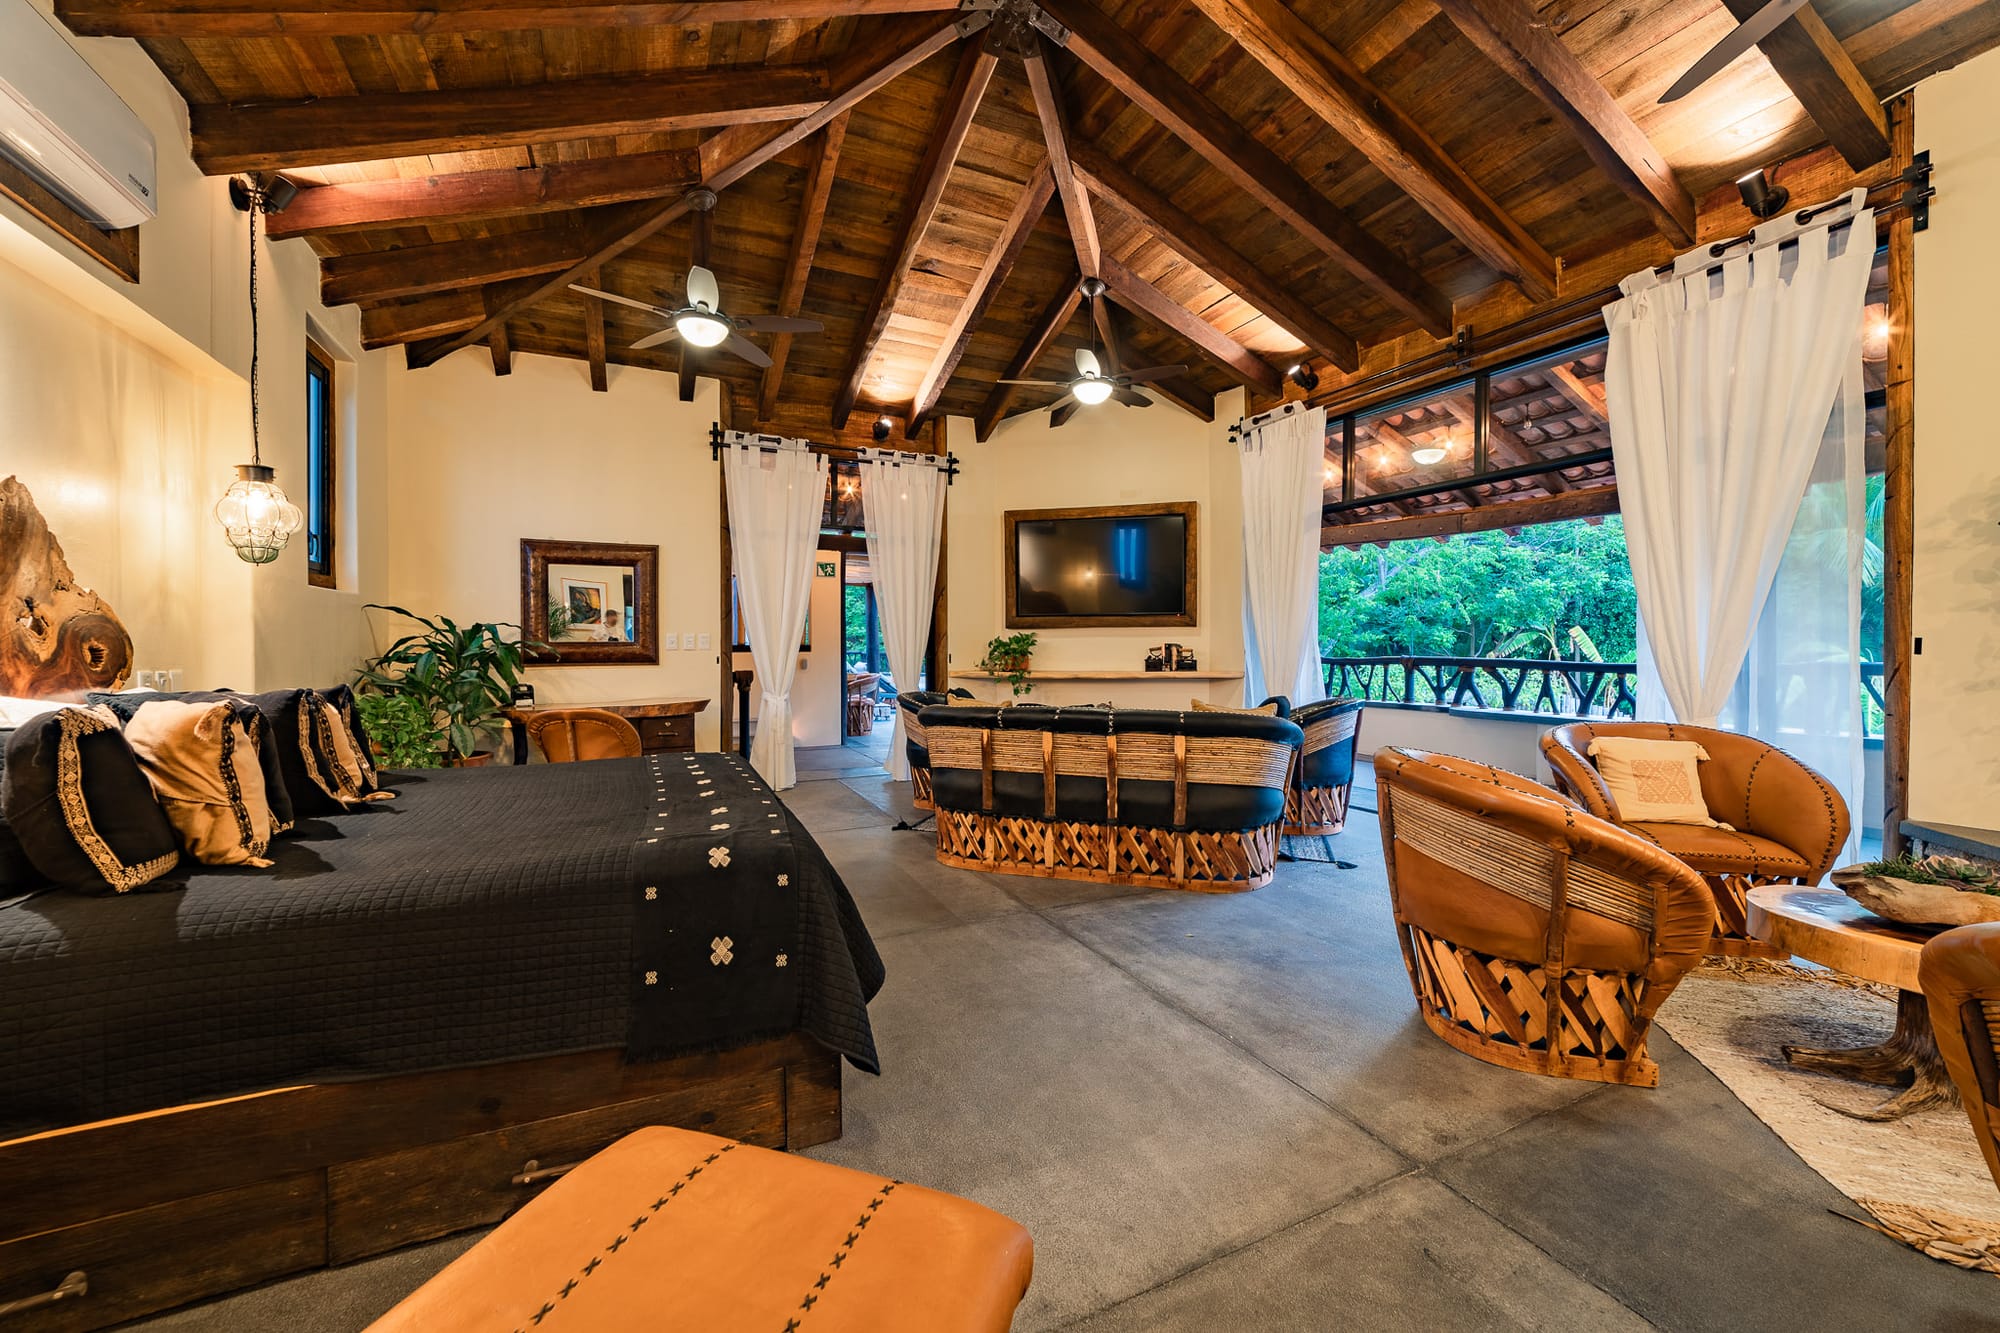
870,691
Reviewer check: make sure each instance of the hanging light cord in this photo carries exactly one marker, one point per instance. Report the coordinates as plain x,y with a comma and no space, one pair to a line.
256,206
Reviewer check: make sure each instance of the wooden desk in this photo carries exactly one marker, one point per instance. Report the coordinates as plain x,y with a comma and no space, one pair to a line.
664,724
1830,928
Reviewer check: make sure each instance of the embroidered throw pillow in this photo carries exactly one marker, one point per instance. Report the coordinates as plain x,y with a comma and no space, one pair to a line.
202,761
1266,709
303,722
341,697
1653,782
276,795
76,797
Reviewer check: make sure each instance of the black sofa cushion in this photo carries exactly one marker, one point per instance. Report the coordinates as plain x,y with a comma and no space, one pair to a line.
1329,765
77,799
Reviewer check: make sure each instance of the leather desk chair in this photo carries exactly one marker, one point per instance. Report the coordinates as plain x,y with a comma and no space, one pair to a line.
566,735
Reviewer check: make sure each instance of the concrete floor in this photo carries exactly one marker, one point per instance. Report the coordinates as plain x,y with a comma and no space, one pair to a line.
1221,1112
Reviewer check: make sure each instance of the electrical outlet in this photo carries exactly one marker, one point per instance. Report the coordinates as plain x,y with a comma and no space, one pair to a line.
706,642
673,643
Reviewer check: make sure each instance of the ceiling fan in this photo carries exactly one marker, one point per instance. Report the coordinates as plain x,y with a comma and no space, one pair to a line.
1740,39
703,322
1092,385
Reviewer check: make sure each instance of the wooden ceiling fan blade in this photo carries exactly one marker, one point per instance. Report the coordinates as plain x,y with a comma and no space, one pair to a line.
1745,35
1151,373
1067,401
746,349
666,335
620,300
1130,398
1047,384
779,324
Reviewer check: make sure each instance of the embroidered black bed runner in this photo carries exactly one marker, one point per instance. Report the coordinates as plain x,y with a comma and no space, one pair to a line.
742,930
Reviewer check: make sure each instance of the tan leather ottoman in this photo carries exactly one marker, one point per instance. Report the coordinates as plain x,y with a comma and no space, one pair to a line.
668,1228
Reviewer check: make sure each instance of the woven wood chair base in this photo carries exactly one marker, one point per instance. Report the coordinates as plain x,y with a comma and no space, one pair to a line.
1732,936
920,788
1499,1010
1108,853
1316,811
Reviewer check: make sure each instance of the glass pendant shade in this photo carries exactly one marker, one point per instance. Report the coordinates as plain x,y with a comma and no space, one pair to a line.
1428,455
255,516
702,330
1090,389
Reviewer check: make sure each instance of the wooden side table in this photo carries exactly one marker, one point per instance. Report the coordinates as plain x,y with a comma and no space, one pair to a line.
664,724
1831,929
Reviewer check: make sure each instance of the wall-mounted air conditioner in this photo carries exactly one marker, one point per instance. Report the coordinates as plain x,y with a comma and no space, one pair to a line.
62,124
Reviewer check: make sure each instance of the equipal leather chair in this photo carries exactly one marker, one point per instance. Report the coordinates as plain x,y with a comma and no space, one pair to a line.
1960,975
1787,823
566,735
1323,780
1537,937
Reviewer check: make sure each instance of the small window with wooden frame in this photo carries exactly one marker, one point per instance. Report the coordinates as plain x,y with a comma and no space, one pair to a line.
322,452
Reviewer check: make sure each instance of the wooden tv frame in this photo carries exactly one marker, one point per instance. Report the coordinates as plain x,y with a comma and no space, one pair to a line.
1013,518
146,1212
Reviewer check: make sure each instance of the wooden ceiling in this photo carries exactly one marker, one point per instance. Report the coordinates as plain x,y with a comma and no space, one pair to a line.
1259,182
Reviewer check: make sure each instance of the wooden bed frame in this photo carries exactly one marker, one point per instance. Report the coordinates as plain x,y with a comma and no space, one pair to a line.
130,1216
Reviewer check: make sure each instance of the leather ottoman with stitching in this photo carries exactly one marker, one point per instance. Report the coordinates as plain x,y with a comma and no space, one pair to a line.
668,1228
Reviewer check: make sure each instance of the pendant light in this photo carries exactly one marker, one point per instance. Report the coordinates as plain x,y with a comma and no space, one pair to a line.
256,517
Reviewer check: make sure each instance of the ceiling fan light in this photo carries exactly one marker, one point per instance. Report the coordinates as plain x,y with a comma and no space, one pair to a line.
1090,389
701,329
1429,454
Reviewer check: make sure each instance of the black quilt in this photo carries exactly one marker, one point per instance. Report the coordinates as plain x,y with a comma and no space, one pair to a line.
484,915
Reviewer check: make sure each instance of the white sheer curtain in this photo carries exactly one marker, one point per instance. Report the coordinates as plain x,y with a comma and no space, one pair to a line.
776,496
1736,415
1283,464
902,501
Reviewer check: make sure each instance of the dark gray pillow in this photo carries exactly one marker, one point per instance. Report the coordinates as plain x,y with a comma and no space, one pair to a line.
298,719
75,796
17,872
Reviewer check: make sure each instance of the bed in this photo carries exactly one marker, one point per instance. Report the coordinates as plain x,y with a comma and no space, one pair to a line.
423,1011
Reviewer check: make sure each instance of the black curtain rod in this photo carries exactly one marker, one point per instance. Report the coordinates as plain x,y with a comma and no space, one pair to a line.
770,444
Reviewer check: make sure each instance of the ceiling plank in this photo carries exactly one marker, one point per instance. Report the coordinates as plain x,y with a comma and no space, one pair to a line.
422,201
1055,133
1143,298
1054,317
1820,73
798,264
593,337
1196,120
1000,261
630,224
1215,256
1336,91
385,275
265,136
360,18
1590,503
975,71
1521,42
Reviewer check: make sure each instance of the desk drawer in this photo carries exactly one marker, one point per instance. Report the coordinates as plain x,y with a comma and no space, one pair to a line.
665,733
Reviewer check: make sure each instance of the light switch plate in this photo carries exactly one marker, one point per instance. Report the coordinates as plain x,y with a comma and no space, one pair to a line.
706,642
673,643
173,681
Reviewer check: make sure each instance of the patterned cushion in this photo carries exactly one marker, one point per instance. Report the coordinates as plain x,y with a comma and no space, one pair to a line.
202,761
276,795
76,797
1656,782
1269,708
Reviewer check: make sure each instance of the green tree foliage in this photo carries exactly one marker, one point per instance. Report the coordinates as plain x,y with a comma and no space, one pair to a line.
1488,594
854,622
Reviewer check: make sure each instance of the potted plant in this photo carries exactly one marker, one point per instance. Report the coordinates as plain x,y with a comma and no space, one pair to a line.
1007,656
400,732
461,678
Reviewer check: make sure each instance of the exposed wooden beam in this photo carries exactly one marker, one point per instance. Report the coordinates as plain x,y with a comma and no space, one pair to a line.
362,18
1242,364
1243,159
1820,73
385,275
630,224
593,337
1054,317
798,265
1899,494
1215,256
1334,89
270,136
1507,514
1055,133
422,201
503,351
1522,43
975,72
425,317
1500,445
1000,261
1586,398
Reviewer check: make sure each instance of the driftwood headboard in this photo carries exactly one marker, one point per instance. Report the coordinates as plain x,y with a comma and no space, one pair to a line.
57,640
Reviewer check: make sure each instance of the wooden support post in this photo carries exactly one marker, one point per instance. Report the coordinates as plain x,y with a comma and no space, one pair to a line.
1899,495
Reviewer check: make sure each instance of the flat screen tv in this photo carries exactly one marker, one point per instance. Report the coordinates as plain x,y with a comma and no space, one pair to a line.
1114,565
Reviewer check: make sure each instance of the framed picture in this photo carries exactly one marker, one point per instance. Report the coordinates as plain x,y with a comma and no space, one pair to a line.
590,601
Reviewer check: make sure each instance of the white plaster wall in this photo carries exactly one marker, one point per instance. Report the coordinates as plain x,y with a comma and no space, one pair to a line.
478,462
1955,686
1102,456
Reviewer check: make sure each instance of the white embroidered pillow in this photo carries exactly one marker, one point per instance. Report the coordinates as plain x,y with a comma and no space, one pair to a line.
1653,782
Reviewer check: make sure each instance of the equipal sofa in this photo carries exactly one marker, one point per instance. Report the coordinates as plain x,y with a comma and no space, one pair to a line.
916,744
1316,805
1185,800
